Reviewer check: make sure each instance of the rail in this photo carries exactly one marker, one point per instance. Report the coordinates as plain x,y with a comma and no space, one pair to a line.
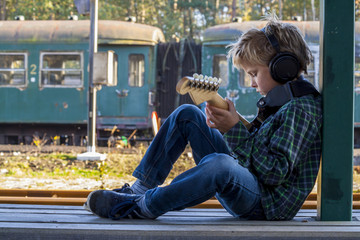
78,197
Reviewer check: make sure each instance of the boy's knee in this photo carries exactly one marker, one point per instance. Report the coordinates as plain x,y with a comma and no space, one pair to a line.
187,107
187,110
219,162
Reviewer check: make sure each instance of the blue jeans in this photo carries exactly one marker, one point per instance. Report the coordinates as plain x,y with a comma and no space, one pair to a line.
216,172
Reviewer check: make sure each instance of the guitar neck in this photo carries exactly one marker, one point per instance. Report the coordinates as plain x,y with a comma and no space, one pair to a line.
246,123
220,102
217,101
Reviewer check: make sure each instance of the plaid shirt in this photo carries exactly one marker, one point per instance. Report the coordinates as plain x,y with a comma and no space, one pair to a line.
284,154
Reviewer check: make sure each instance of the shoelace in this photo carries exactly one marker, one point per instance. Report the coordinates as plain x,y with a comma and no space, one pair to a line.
122,210
126,185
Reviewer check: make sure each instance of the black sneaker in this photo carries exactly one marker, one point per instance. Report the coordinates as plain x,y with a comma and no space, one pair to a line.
110,204
124,189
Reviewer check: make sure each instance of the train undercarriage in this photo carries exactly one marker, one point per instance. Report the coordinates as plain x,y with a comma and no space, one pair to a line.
76,135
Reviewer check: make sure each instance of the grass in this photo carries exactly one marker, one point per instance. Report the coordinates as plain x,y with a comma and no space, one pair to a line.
61,170
38,169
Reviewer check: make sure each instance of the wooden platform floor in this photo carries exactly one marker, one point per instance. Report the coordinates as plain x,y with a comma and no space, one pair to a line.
19,221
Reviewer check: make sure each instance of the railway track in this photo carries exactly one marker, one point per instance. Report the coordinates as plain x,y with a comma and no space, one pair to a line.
78,197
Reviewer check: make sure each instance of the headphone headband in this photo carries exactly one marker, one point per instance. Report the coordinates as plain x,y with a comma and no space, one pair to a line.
271,38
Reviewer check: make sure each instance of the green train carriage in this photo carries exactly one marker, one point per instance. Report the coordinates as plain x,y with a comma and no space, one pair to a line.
44,79
236,84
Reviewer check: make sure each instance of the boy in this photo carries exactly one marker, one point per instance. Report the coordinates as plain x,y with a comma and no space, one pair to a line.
264,172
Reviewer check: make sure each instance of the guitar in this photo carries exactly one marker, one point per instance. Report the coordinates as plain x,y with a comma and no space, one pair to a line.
204,89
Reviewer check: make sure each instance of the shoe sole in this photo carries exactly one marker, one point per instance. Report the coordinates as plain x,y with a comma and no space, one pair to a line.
87,204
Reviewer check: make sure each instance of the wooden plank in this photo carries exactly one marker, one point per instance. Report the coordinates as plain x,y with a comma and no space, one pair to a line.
213,203
79,209
183,217
300,216
43,200
136,231
44,211
73,222
44,193
77,198
18,208
166,219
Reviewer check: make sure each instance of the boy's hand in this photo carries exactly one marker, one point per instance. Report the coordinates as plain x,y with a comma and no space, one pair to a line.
221,119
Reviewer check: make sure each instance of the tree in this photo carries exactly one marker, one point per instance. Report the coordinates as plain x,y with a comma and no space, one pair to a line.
37,10
176,18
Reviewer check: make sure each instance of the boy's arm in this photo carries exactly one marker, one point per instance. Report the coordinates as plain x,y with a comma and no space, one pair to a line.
240,140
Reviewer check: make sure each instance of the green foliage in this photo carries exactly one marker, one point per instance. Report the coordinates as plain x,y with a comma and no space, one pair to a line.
176,18
40,9
62,156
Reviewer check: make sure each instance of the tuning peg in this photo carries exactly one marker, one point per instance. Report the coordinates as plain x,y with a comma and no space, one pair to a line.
217,84
195,75
201,76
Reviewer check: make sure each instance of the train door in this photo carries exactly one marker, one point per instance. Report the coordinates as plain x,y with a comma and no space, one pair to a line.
244,96
127,104
313,69
357,101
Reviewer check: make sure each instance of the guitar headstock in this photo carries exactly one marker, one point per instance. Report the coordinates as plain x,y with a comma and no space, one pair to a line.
198,82
200,88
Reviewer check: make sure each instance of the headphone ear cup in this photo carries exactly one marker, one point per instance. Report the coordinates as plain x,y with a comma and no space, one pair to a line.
284,67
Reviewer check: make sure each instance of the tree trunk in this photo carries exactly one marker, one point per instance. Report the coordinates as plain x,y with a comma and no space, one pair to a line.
3,10
191,33
313,10
280,9
233,7
216,11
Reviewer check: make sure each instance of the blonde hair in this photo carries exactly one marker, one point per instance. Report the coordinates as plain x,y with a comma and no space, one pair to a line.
253,46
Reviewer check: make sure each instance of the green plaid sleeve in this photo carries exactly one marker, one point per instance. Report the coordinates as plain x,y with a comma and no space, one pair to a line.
240,141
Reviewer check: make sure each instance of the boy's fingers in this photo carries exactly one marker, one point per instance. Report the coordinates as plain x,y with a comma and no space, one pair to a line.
210,124
230,103
217,111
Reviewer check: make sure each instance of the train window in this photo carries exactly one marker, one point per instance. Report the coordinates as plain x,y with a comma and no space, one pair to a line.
61,69
220,69
13,69
311,73
136,70
357,75
245,80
